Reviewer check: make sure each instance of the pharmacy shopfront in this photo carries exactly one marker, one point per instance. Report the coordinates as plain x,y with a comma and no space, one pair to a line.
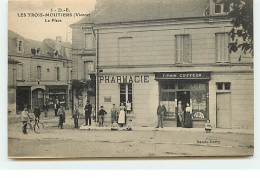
145,91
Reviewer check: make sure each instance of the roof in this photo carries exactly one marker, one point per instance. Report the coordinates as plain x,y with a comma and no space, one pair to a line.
46,51
112,11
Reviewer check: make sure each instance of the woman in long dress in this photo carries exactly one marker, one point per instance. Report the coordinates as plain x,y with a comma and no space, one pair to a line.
188,122
122,115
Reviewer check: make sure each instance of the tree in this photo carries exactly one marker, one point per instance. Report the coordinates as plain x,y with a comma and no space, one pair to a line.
242,33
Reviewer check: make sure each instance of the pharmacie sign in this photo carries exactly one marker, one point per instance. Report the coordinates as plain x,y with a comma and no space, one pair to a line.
124,79
182,75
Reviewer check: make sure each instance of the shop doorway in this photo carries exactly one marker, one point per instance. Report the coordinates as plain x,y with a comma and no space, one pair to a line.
184,97
23,98
223,110
37,98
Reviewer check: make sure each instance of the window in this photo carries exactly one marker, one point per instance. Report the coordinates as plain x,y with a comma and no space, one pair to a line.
88,68
20,71
89,41
39,71
126,93
20,46
58,73
223,86
221,8
183,49
125,54
222,53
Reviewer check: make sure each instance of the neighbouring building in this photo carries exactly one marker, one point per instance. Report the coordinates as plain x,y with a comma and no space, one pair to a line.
43,71
145,52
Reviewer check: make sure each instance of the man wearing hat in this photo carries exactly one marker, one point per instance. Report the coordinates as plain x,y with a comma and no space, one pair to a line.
161,111
88,111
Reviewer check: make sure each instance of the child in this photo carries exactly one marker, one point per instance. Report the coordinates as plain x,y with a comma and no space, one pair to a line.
207,126
101,115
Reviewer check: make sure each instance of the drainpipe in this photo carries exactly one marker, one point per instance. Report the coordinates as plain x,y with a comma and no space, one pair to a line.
97,76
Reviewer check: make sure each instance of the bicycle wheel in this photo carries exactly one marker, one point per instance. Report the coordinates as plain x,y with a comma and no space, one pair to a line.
38,127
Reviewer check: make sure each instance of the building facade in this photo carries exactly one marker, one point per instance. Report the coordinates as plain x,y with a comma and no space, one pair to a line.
151,52
43,71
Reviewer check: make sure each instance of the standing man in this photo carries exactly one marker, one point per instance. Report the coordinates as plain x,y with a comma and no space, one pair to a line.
88,111
180,114
161,110
75,116
45,109
61,114
25,118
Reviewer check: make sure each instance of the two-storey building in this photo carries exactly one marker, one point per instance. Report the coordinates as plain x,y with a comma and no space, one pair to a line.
169,51
43,71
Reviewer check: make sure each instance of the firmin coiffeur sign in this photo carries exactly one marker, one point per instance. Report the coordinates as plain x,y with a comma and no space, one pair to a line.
124,79
182,75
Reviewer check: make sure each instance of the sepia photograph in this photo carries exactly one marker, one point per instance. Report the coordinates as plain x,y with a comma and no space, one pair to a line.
130,79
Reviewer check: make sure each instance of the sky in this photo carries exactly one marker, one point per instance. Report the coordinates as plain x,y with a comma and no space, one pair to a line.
36,28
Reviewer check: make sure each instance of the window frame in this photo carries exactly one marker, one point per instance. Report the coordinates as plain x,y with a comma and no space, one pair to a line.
181,50
86,71
223,47
20,67
57,73
223,89
38,72
86,46
127,93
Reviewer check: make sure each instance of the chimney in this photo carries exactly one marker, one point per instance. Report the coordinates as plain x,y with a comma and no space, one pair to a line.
58,39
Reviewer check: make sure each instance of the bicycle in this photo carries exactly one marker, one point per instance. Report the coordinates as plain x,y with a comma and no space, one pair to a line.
37,127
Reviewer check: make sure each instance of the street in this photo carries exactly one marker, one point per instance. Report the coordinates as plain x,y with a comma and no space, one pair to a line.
74,143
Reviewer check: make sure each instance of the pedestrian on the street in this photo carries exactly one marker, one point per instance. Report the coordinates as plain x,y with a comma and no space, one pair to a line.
37,113
88,111
56,107
128,107
114,114
161,111
45,109
25,119
122,115
75,116
188,112
180,113
101,115
61,114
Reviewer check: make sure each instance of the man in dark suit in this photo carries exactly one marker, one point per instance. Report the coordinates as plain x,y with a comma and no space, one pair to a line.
88,111
161,111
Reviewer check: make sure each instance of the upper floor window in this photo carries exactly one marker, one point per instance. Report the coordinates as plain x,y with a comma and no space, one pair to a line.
89,41
20,47
88,68
222,53
39,72
183,49
20,71
221,8
58,73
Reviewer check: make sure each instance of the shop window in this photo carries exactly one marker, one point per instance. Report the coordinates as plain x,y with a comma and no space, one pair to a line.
20,71
125,55
58,73
223,86
126,93
88,68
183,49
222,53
89,41
39,71
168,85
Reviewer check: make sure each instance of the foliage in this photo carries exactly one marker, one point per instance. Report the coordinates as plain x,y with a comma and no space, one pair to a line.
241,12
79,86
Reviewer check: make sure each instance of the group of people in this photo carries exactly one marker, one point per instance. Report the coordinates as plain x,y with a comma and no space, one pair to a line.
118,117
184,115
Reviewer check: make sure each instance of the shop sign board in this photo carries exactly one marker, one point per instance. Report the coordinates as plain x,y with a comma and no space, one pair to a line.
182,75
